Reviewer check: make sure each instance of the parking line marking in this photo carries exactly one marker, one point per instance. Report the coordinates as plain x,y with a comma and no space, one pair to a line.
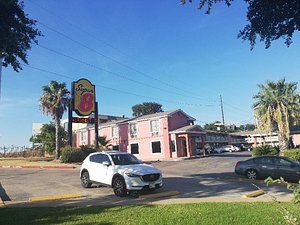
55,197
162,194
254,194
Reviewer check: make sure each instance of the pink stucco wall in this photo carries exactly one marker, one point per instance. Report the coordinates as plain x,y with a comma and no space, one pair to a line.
177,120
296,139
144,136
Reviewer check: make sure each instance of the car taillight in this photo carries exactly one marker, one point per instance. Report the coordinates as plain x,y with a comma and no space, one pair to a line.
237,164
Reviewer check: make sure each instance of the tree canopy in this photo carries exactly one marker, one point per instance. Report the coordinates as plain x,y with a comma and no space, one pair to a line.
54,101
267,20
277,107
146,108
17,33
47,137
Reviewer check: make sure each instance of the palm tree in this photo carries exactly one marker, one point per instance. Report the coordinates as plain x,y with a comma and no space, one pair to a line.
54,101
277,108
103,141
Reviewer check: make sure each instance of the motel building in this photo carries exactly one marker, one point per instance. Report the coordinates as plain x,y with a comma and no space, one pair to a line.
158,136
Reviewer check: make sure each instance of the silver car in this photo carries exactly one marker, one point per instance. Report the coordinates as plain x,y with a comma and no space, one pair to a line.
273,166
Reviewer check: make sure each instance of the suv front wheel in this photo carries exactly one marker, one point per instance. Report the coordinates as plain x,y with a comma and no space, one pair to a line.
85,180
119,186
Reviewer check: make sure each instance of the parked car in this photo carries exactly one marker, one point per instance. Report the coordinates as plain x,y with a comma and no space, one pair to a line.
231,148
246,147
219,149
265,166
121,171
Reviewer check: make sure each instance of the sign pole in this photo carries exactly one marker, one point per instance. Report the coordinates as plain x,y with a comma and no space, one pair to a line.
96,126
70,134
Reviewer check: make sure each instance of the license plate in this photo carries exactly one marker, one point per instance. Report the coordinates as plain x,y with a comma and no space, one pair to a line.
152,185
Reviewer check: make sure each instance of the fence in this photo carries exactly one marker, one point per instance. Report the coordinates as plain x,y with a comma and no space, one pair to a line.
13,149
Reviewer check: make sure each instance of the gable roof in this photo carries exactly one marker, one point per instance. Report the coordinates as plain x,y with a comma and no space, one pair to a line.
163,114
192,129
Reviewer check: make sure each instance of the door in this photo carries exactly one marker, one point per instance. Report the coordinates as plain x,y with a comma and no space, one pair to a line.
265,167
98,172
287,169
184,148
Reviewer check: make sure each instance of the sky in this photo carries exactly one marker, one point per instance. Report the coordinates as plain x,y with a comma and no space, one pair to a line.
143,51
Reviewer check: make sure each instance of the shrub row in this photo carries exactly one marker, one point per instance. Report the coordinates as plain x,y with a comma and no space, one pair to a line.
73,155
265,150
293,154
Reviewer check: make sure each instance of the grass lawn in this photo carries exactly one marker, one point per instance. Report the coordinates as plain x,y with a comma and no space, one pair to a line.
201,213
29,162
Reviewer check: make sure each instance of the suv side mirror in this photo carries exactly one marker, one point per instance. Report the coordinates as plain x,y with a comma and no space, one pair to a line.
106,163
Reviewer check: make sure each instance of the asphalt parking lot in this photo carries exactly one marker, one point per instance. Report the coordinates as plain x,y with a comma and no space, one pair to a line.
201,179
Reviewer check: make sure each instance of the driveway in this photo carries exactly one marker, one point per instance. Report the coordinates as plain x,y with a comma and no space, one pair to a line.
201,179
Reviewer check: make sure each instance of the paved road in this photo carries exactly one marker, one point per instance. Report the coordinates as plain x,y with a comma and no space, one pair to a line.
198,179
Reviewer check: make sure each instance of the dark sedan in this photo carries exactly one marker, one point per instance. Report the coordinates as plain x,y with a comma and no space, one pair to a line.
273,166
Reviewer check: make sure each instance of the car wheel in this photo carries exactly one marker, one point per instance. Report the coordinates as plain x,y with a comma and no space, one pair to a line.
85,180
252,174
119,186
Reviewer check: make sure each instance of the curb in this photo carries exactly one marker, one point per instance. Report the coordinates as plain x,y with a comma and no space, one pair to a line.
55,197
38,167
2,204
161,195
254,194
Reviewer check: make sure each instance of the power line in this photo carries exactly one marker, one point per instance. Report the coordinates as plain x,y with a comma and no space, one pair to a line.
121,64
113,73
97,52
118,62
116,90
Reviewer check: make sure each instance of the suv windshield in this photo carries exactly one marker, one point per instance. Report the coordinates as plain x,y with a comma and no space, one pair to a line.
125,159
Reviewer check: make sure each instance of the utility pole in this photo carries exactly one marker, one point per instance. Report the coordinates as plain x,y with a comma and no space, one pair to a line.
222,111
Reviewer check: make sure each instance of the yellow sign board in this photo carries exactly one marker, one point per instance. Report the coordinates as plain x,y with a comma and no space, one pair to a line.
83,92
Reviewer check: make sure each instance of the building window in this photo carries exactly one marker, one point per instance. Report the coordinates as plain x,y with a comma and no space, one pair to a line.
83,138
115,132
134,148
173,149
156,148
115,147
154,126
133,130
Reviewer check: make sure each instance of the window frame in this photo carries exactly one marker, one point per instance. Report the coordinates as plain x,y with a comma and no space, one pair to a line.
157,126
138,148
161,150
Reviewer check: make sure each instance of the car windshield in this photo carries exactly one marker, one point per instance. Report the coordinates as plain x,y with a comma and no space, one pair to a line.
125,159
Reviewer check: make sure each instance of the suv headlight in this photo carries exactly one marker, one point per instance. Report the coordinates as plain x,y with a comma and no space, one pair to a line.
132,174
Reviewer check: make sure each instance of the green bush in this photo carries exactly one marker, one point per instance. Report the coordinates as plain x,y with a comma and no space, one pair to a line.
71,155
265,150
87,149
293,154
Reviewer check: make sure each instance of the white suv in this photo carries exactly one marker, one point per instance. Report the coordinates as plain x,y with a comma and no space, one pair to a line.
120,170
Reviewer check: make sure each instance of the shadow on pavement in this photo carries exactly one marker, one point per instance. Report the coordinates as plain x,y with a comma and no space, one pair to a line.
3,194
231,155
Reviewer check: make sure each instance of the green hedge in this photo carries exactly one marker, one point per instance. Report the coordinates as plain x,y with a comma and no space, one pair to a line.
265,150
72,155
293,154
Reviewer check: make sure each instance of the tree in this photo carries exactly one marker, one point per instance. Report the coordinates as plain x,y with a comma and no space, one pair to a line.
146,108
54,101
268,20
103,141
47,137
246,127
212,126
277,107
17,33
